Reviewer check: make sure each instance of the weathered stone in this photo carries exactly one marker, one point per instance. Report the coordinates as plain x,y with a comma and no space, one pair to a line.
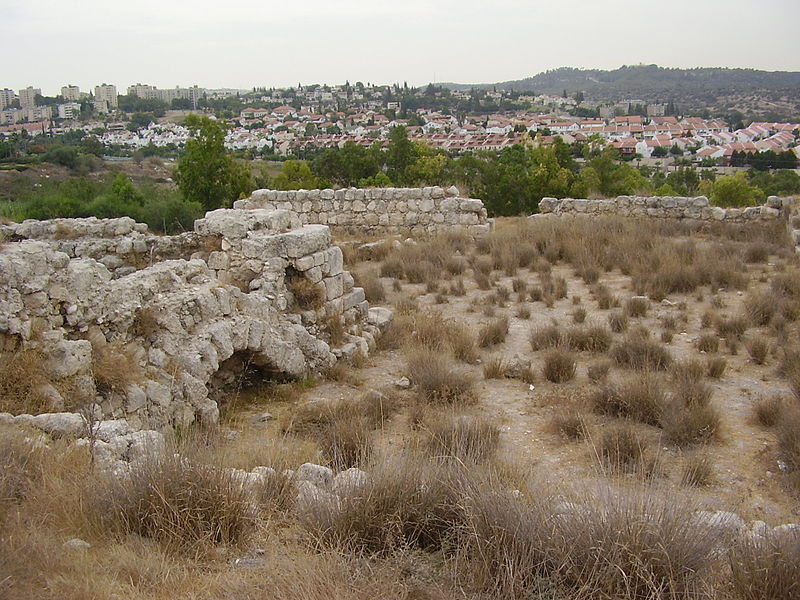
59,425
316,474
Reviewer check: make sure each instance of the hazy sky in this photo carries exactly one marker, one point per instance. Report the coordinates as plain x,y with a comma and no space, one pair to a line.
246,43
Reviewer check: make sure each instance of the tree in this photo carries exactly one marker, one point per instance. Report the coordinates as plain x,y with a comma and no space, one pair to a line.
400,154
733,190
206,173
295,175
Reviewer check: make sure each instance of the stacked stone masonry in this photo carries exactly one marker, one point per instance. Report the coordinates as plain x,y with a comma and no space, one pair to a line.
664,207
379,210
187,313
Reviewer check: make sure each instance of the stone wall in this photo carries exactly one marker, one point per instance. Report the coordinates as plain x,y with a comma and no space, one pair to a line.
664,207
379,210
184,314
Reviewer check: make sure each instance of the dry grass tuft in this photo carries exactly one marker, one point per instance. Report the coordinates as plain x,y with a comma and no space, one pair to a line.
708,342
768,567
758,349
464,439
493,333
715,367
622,450
406,503
698,471
495,368
374,291
588,339
570,425
639,352
641,398
113,368
22,373
769,411
185,505
437,380
598,371
618,321
636,307
545,337
559,365
307,294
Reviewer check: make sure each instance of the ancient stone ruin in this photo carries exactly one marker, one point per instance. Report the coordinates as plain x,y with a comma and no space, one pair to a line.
380,210
663,207
150,328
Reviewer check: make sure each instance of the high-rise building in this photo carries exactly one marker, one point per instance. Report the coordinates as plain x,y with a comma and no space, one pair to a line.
71,93
7,98
107,93
27,97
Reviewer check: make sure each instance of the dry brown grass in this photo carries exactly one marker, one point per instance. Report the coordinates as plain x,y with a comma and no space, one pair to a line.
708,342
114,368
22,373
570,425
698,470
406,503
715,367
766,568
769,411
593,338
639,352
640,398
618,321
549,336
495,368
465,439
758,349
621,449
493,333
559,365
438,380
636,307
187,506
374,291
307,294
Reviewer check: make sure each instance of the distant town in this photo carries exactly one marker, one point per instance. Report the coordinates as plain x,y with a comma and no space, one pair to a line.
298,121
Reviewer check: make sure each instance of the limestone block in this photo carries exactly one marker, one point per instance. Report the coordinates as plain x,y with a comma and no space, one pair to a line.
314,274
305,240
426,205
219,261
304,263
347,282
59,425
135,398
333,287
66,358
470,205
355,297
452,192
335,260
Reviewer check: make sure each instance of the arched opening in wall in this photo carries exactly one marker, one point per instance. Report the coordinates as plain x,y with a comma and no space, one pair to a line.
243,379
306,295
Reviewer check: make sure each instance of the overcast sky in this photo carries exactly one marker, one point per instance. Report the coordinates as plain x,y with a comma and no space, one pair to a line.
246,43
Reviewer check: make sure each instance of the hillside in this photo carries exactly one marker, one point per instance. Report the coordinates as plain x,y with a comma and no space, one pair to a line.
748,90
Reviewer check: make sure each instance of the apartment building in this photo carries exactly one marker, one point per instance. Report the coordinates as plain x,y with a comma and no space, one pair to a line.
71,93
106,93
7,98
27,97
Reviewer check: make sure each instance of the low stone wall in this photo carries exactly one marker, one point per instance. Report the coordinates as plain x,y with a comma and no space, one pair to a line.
379,210
181,315
664,207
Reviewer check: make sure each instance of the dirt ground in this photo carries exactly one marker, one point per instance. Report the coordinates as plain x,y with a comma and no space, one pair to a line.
746,474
